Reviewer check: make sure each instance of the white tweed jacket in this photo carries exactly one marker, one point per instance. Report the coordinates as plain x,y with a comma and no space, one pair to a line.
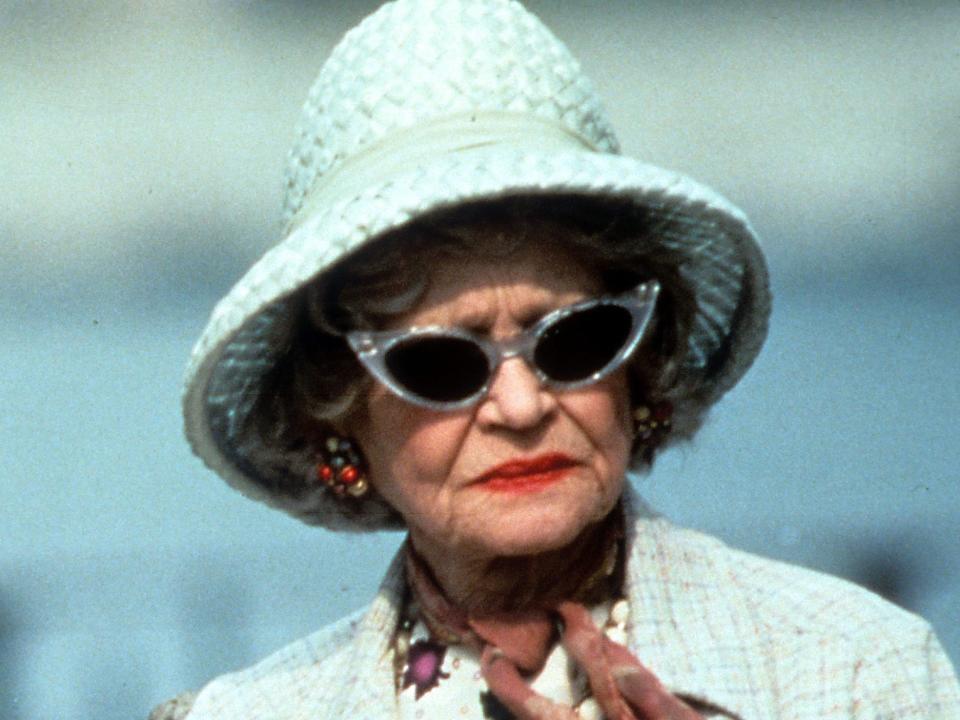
742,636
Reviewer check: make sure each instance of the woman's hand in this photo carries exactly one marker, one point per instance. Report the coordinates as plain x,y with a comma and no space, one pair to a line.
643,691
622,687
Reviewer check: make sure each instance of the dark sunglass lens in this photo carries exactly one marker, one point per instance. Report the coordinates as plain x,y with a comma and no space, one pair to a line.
584,342
440,369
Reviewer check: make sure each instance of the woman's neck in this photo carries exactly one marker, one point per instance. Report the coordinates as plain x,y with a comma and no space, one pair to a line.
586,570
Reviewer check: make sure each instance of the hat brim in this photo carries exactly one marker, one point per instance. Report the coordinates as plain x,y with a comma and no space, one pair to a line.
249,328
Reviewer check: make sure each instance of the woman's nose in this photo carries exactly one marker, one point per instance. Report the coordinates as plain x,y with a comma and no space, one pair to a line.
516,399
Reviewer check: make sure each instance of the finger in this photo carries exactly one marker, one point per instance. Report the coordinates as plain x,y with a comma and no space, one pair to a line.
585,643
505,682
643,690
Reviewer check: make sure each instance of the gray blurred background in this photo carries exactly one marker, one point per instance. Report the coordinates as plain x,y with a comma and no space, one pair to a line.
141,150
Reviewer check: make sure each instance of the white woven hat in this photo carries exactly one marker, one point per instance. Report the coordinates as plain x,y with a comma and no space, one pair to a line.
429,104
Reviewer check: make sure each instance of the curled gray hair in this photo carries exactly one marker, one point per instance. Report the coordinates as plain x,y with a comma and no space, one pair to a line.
303,398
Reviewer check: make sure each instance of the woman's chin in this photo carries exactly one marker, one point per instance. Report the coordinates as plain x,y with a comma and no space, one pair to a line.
529,533
511,525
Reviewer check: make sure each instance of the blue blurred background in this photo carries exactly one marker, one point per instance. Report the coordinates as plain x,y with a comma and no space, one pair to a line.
140,162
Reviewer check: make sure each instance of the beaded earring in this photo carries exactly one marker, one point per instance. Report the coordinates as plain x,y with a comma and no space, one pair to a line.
652,424
341,468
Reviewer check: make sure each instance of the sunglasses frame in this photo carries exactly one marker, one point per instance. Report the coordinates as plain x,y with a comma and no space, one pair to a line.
372,346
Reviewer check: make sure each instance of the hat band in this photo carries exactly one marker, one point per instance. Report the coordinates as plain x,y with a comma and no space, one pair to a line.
410,147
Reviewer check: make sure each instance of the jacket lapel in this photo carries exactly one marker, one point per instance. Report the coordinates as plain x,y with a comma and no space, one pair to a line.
690,624
370,693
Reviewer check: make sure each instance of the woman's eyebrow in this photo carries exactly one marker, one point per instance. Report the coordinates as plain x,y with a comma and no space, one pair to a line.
474,319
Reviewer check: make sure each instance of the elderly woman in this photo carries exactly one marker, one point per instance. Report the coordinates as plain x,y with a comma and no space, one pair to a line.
480,317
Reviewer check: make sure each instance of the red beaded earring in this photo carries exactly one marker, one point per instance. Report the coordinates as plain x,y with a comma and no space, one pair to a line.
341,469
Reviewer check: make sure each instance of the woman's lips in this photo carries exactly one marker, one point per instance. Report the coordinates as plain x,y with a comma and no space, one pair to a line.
527,475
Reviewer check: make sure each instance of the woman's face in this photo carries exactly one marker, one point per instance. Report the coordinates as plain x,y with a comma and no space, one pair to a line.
526,469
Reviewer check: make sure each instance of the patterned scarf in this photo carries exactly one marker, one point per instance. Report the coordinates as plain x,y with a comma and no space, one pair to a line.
514,646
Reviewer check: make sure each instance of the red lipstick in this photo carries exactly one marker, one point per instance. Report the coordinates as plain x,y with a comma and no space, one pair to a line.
527,475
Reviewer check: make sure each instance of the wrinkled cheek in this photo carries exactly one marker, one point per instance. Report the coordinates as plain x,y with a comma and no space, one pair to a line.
617,450
612,494
619,436
418,489
623,412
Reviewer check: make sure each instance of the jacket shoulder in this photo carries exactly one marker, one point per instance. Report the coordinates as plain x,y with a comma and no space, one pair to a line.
814,639
792,599
320,649
799,600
